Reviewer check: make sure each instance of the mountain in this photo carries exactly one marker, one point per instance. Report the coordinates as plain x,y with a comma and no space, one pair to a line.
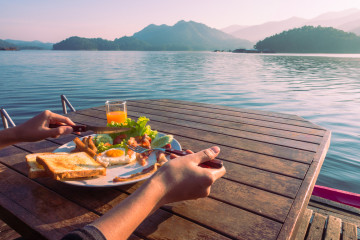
31,44
310,39
189,36
183,36
347,20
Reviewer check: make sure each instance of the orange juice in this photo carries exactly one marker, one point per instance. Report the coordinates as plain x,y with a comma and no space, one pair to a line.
116,116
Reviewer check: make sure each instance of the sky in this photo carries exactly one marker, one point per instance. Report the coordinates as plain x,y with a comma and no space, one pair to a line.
53,21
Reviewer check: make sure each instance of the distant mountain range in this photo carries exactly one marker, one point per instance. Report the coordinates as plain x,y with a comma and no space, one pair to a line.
192,36
347,20
183,36
36,45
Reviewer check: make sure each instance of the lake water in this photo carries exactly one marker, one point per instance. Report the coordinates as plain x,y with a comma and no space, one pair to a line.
324,89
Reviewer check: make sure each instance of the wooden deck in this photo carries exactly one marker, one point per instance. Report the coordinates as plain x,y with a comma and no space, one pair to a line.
327,220
272,163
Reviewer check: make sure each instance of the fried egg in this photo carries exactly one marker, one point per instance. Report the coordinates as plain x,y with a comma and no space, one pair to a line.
115,156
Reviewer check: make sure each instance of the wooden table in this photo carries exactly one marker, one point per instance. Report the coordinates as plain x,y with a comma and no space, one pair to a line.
272,162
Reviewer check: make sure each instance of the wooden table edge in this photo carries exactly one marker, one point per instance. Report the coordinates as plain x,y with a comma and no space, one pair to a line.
289,229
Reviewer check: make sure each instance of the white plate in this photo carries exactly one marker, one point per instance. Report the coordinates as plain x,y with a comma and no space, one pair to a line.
113,171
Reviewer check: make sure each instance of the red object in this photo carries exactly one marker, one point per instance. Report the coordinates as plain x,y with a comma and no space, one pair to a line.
348,198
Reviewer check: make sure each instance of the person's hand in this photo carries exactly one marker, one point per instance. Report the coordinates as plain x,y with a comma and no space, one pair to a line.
37,128
182,178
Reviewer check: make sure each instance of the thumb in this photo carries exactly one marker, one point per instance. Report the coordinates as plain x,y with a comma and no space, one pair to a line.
207,154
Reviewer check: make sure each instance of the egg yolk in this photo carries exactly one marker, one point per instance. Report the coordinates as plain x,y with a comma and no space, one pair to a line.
114,153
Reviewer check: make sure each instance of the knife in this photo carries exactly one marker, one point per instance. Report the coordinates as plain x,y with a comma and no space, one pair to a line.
95,129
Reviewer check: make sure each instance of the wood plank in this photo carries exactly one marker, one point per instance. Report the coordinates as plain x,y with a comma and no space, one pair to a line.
255,200
251,159
235,222
236,112
317,227
231,119
47,213
349,231
333,228
326,207
164,225
304,224
226,113
7,232
235,109
258,136
230,221
301,201
231,125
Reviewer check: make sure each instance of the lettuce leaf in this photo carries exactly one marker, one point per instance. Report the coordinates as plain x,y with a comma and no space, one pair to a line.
138,128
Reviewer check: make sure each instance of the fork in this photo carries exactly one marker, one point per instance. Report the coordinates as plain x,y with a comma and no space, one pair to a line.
209,164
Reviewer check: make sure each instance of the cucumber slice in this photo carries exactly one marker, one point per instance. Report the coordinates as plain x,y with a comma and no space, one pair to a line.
159,142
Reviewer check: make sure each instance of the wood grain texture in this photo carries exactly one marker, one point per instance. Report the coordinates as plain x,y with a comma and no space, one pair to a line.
317,227
302,199
349,231
272,163
333,228
304,224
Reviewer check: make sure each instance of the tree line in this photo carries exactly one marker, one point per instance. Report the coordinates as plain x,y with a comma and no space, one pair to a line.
310,39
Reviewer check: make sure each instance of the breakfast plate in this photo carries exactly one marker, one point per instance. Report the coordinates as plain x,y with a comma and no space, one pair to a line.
122,171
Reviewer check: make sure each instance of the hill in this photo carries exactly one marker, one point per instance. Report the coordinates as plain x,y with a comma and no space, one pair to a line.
183,36
4,45
347,20
309,39
124,43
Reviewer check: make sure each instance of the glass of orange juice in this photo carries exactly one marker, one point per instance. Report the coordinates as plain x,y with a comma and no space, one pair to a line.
116,111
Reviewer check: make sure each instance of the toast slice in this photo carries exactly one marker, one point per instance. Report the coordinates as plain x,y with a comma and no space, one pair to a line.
70,165
36,170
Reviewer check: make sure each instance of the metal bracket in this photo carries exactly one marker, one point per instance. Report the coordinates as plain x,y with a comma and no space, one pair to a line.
6,118
64,102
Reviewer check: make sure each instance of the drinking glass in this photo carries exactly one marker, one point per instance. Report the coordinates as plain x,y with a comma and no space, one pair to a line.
116,111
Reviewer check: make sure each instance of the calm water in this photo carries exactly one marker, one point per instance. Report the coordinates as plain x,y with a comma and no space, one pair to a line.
324,89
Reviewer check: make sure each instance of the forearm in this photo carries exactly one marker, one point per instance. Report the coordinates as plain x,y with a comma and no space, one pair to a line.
123,219
8,137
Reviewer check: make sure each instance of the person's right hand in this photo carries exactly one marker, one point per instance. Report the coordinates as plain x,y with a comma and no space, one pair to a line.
182,178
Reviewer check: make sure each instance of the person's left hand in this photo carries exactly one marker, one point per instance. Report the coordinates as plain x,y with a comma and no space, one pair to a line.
37,128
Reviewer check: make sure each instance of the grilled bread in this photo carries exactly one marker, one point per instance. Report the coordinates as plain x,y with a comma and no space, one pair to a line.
70,165
36,170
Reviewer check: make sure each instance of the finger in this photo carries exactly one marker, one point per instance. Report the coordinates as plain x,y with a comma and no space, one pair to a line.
206,155
189,151
172,156
54,118
56,132
217,173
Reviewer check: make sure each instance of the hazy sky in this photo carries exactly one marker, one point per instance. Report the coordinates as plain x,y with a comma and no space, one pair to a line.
53,21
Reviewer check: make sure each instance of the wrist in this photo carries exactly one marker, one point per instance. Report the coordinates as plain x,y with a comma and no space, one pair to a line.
8,137
158,189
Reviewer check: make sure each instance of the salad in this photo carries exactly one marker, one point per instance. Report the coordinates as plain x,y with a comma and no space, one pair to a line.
140,134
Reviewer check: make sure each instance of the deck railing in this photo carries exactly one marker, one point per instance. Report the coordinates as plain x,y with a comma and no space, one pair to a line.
64,102
6,119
